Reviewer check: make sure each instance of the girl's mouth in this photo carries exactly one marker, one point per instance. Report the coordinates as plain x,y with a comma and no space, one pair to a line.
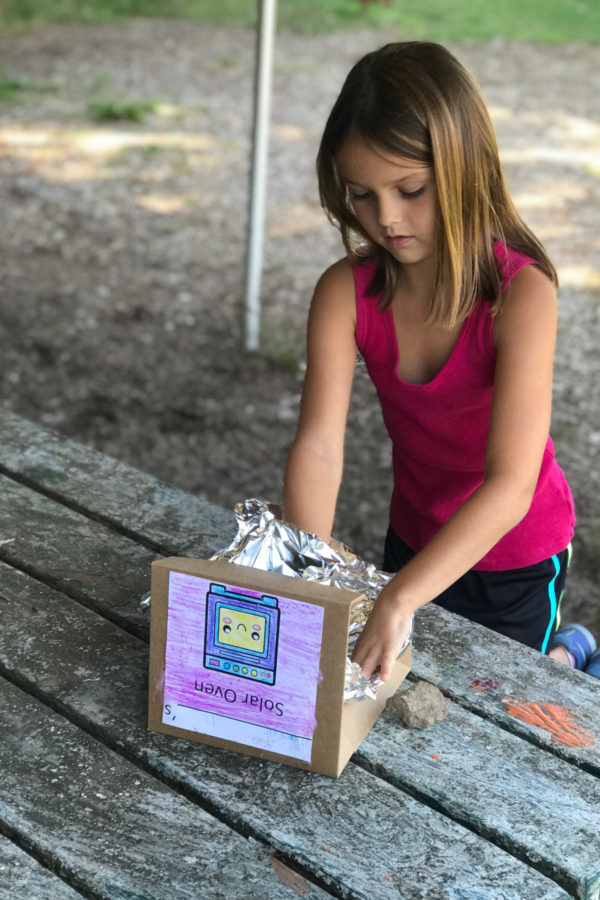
398,240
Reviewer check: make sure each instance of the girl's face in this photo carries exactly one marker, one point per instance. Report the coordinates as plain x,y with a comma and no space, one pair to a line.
394,199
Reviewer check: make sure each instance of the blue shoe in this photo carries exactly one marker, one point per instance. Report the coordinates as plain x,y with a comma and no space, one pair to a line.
593,665
579,642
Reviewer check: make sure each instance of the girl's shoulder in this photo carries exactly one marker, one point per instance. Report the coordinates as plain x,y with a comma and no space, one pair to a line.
511,261
331,346
333,304
335,288
338,276
529,304
522,274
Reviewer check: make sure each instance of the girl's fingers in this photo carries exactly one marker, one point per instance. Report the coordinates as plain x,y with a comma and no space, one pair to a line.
386,668
367,662
371,653
388,658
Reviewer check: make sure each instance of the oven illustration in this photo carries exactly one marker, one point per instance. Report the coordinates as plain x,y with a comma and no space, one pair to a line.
241,634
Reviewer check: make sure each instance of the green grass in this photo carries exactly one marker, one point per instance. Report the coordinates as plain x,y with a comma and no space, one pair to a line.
111,110
556,21
12,88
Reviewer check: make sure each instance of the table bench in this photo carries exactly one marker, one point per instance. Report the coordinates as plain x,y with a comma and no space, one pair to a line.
500,800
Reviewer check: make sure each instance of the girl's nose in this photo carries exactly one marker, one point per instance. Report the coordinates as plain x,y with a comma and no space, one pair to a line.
388,212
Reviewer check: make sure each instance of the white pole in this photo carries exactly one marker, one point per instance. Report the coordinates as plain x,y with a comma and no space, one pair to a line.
258,182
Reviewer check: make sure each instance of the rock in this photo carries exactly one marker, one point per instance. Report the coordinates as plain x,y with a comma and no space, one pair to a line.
420,706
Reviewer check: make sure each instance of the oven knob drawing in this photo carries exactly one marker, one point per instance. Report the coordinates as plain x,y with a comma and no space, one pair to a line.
242,631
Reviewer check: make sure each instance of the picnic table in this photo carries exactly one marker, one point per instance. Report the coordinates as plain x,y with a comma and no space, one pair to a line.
499,800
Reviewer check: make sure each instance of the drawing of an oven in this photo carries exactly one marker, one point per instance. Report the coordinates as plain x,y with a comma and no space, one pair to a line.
241,634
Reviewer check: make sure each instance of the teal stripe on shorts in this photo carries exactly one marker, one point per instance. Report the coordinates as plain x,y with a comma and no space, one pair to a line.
553,603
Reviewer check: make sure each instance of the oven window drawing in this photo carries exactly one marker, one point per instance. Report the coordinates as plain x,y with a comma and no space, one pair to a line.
241,634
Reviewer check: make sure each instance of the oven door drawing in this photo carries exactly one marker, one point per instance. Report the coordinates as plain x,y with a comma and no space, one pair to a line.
241,634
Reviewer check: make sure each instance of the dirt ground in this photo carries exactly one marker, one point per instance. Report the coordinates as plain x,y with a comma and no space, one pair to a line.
123,249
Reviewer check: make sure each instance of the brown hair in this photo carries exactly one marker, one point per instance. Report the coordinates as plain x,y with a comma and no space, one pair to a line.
415,100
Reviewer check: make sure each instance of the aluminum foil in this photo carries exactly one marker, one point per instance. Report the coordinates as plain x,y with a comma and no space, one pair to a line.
265,542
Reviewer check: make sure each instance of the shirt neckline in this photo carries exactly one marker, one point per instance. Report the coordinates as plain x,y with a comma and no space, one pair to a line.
390,328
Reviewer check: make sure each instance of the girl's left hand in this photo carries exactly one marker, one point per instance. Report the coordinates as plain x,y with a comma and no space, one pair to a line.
383,637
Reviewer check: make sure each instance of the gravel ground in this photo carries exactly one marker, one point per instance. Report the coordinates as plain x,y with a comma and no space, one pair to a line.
123,254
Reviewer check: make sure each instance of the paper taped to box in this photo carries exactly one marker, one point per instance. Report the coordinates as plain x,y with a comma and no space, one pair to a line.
255,662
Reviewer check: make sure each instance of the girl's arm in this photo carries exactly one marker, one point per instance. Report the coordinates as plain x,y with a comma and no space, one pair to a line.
524,334
314,469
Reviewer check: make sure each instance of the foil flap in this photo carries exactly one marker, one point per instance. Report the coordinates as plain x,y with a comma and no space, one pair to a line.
265,542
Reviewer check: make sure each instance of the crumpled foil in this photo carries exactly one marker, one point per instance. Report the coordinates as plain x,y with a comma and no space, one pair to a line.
265,542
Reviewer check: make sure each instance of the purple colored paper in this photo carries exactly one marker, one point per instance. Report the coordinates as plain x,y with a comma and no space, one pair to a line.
242,665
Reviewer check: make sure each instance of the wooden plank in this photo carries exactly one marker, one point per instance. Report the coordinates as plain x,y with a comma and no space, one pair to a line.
359,836
492,781
483,671
113,829
82,557
170,520
22,878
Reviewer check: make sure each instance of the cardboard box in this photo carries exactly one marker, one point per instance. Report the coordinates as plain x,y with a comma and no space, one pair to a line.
255,662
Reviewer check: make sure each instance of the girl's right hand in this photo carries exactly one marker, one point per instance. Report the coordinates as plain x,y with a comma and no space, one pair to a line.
383,636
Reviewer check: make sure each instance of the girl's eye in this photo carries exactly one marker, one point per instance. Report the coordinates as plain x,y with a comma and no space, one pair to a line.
357,196
412,195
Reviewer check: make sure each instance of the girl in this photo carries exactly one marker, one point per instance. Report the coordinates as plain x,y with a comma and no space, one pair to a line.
451,300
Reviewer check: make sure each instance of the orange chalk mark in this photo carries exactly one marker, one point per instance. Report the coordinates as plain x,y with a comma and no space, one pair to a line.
433,756
557,720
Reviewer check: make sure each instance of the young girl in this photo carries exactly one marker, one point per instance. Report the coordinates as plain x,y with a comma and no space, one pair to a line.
451,301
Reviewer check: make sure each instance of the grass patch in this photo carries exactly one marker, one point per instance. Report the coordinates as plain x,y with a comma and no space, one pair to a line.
546,21
110,110
104,106
11,89
558,21
543,21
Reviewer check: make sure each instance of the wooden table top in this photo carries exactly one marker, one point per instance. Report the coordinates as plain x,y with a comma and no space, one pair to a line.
500,800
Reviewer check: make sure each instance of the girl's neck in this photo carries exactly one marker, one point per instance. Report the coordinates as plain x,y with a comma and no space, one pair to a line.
417,283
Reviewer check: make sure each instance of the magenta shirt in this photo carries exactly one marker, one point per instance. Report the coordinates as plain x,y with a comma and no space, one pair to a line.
439,433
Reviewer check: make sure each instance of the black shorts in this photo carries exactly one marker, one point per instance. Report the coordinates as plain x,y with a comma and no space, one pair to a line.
520,603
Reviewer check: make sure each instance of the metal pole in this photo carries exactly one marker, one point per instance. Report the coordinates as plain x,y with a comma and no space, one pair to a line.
258,181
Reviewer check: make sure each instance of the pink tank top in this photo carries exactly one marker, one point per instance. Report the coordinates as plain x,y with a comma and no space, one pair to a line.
439,434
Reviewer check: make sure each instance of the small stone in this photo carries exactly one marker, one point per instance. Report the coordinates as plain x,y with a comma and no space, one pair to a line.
420,706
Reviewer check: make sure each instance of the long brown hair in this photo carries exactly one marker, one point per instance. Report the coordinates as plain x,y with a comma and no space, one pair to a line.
415,100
